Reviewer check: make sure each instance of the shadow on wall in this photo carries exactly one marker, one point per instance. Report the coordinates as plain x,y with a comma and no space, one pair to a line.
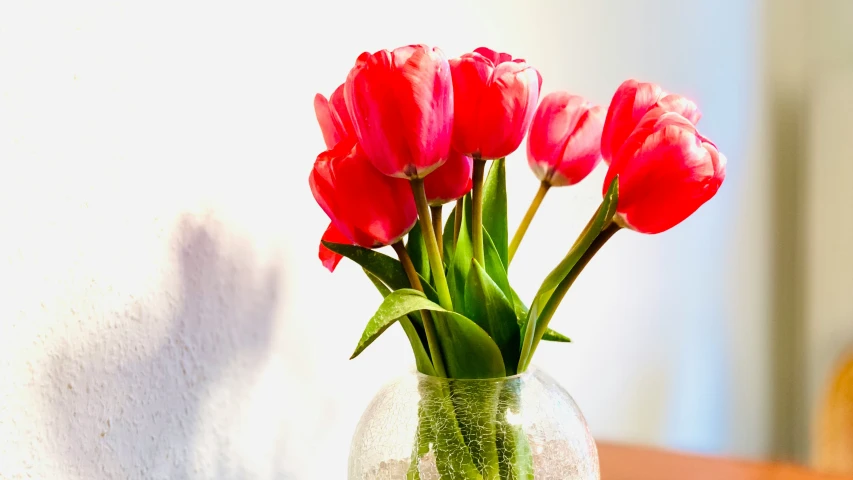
167,405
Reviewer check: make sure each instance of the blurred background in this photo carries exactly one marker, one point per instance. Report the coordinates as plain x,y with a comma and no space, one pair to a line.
163,313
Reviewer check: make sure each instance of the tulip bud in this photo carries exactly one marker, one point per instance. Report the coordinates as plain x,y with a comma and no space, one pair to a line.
365,206
630,103
564,144
449,181
401,105
333,117
667,170
494,101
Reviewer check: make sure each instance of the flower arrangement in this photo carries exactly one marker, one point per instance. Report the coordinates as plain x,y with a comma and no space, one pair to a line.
410,131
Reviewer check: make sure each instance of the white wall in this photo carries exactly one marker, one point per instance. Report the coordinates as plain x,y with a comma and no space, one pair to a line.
163,313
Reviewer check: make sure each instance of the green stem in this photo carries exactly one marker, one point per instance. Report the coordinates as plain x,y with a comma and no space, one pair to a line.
435,263
528,217
563,287
477,210
429,326
435,213
457,219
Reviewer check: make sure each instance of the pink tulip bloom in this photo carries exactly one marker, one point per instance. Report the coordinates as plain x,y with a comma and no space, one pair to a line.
401,105
667,170
366,207
564,144
494,101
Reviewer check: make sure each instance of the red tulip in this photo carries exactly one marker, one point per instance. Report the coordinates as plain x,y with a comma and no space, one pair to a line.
449,181
495,99
401,105
630,103
365,206
667,170
333,117
329,258
564,144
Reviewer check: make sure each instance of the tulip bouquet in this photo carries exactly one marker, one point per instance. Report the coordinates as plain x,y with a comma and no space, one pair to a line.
411,131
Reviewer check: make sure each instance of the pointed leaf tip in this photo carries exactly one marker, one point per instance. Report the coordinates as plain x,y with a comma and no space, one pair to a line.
554,336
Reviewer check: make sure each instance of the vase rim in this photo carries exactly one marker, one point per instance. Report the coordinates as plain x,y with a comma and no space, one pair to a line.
523,374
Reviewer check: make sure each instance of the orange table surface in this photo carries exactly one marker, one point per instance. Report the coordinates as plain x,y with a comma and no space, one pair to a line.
621,462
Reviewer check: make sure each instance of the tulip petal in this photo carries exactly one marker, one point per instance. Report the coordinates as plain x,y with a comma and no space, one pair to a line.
582,151
554,121
329,258
682,106
321,180
380,209
506,109
471,76
718,160
371,104
425,99
450,181
629,104
339,113
324,118
656,119
495,57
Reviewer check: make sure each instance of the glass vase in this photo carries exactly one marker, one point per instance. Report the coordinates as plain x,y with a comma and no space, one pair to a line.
420,427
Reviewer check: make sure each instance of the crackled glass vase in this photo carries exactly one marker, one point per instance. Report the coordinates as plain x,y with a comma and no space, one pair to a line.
522,427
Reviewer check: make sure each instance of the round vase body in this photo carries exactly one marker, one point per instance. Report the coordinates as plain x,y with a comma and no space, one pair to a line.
522,427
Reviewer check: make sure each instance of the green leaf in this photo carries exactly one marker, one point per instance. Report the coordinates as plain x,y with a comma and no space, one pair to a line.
396,304
521,314
424,436
416,339
448,229
495,266
469,212
457,271
387,269
487,306
519,307
453,455
495,208
532,329
447,237
515,456
417,251
468,350
476,410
